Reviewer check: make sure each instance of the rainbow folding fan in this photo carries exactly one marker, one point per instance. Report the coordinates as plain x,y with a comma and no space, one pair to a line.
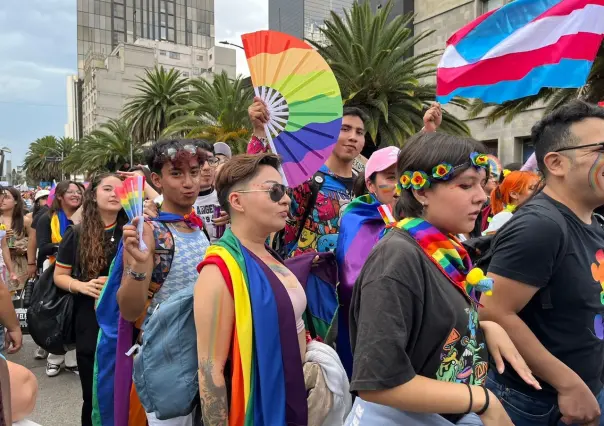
303,100
130,195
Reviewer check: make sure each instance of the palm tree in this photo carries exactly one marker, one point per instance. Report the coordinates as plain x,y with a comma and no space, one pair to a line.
36,164
217,112
105,149
374,64
149,111
592,91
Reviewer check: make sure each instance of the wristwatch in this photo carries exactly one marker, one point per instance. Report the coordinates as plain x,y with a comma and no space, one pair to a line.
137,276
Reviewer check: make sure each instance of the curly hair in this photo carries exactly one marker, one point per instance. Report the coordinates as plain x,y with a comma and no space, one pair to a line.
18,215
92,250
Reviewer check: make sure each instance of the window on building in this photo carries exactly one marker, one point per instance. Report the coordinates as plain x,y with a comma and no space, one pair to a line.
162,52
174,55
185,74
210,56
200,57
489,5
162,33
210,69
195,71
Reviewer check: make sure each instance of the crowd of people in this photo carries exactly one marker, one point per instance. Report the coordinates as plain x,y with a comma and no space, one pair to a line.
467,295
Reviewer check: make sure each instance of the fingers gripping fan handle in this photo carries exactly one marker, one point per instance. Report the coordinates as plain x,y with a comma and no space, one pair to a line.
303,100
50,315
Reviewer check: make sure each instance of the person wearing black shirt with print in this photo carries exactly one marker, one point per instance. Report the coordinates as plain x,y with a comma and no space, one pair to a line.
95,240
549,280
419,350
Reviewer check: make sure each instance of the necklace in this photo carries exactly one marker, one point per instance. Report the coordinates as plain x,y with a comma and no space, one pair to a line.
113,233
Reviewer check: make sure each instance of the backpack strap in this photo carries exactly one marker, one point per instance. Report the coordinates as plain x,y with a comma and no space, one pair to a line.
164,254
316,184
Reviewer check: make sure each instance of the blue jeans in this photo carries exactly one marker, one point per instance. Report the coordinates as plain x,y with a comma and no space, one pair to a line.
528,411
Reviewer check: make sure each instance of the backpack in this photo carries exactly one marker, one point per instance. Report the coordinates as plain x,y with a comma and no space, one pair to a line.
167,358
50,316
316,183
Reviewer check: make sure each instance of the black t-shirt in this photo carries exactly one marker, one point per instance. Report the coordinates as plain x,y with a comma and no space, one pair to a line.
407,318
531,250
39,213
86,325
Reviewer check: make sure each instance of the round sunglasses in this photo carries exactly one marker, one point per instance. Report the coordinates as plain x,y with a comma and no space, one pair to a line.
276,191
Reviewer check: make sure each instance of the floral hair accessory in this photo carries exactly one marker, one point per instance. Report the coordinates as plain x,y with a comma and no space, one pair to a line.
420,180
405,180
398,190
443,171
506,172
479,160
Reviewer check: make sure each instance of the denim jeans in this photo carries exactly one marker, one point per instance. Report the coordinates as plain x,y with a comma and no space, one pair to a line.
528,411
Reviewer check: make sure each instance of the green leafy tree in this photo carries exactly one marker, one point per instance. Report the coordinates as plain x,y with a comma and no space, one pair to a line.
217,112
105,149
592,91
36,165
152,108
372,59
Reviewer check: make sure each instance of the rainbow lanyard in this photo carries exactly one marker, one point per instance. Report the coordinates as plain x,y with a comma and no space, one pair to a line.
446,252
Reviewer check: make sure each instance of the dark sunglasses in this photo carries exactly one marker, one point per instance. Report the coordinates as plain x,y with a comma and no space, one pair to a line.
276,191
600,146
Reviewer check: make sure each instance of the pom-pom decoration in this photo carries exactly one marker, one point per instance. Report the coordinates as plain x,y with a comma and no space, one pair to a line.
477,279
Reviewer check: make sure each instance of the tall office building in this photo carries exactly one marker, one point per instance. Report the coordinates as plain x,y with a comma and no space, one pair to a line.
303,18
103,24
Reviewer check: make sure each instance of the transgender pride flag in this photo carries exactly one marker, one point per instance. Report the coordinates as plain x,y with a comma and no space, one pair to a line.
516,50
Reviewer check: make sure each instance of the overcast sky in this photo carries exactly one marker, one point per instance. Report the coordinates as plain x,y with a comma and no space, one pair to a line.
38,50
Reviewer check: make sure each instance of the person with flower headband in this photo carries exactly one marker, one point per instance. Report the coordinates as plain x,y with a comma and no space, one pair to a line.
414,326
176,169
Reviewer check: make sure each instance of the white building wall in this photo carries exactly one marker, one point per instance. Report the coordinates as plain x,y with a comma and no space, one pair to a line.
71,127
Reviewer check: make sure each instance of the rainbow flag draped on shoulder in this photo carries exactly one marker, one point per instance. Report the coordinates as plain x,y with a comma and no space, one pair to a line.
267,389
361,228
516,50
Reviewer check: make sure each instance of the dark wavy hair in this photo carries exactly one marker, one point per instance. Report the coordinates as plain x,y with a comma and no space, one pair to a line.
156,156
18,215
92,250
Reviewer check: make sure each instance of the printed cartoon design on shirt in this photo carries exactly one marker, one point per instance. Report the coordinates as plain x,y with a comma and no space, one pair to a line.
597,271
320,233
461,359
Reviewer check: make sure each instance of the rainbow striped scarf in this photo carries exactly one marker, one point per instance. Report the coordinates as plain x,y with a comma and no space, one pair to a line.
446,252
267,377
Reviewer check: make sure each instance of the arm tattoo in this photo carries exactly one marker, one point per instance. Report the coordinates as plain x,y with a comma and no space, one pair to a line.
214,405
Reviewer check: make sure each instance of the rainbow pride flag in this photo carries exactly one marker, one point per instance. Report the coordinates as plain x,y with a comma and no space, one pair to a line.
361,228
267,377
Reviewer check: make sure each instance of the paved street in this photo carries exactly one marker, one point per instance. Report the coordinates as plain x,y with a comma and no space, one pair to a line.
59,398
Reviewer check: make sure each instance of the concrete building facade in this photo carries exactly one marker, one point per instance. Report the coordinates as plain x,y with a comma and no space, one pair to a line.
303,18
74,113
511,142
103,24
109,82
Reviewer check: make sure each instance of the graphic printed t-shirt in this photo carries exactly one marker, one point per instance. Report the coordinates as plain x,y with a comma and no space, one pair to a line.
204,207
407,319
321,229
530,250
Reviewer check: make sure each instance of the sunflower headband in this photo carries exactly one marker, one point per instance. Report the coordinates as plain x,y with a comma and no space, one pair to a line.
442,172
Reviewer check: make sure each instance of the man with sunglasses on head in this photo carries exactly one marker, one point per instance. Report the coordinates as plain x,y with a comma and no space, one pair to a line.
207,206
176,168
548,267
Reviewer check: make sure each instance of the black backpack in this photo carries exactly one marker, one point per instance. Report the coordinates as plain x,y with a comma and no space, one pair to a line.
50,315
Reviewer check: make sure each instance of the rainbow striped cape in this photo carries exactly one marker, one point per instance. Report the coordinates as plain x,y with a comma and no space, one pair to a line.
360,230
267,377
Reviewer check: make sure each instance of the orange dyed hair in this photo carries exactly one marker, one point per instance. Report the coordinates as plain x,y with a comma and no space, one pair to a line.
517,182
